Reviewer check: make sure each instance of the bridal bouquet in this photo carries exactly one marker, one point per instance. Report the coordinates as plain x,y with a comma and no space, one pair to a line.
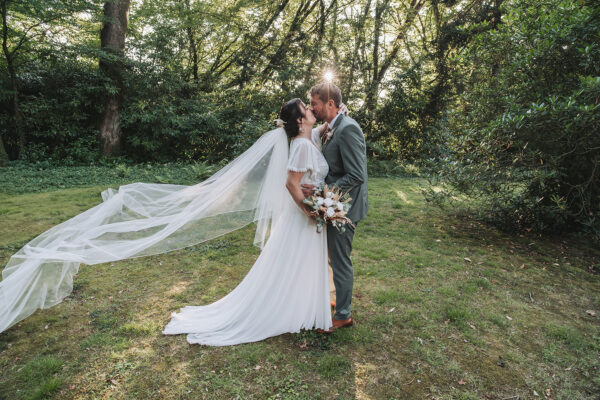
329,206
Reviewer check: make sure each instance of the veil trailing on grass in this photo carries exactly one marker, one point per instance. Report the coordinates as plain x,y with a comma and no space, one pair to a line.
142,219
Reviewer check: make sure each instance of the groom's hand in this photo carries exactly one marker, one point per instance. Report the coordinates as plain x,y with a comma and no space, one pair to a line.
307,190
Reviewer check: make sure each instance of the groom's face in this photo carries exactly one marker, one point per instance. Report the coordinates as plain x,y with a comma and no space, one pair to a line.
318,108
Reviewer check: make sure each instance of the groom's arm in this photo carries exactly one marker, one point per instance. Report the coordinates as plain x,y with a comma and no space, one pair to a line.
354,158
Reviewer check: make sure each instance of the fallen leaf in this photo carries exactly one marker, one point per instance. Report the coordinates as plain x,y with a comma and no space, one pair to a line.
72,387
508,318
535,393
471,325
391,309
257,367
467,259
462,382
46,327
591,313
522,266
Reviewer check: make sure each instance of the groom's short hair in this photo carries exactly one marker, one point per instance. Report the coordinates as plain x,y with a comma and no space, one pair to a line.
327,91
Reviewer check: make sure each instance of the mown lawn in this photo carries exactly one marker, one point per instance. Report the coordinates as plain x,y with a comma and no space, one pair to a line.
446,308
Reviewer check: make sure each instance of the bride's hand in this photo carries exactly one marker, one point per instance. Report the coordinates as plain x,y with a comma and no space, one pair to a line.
307,190
343,109
309,213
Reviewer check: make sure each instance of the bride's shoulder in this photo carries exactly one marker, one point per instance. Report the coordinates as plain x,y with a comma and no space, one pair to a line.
300,142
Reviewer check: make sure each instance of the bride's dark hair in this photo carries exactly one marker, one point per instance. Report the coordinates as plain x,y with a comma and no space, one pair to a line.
290,112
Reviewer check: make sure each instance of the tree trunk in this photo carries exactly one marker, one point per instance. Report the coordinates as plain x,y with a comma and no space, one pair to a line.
3,155
17,115
359,38
372,91
380,8
434,105
112,41
333,34
246,59
304,10
316,49
16,110
194,53
192,41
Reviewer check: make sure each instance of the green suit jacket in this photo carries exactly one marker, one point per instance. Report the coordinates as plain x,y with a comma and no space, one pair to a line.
346,155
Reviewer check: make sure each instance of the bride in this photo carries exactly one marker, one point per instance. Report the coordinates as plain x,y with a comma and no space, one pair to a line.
286,289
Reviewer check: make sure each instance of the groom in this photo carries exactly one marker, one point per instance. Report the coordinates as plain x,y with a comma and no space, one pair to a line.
345,151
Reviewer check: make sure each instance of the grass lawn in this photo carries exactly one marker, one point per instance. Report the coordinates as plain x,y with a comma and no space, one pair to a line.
446,308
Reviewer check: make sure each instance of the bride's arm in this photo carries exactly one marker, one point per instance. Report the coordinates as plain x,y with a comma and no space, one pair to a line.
317,132
293,186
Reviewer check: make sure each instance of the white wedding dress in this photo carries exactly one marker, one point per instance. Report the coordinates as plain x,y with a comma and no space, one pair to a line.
287,288
285,291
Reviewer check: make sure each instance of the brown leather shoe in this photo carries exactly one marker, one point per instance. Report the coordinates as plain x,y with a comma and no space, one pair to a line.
337,324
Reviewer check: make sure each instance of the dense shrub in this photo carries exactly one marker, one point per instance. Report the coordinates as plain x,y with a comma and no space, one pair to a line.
165,118
402,127
60,106
525,138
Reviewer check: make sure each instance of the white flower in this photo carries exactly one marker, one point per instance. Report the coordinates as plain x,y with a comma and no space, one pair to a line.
320,201
329,194
330,212
340,206
328,202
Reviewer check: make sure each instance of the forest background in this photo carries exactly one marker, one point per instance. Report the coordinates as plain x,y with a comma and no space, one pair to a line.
496,100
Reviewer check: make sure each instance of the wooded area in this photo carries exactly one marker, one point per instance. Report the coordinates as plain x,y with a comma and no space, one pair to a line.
496,99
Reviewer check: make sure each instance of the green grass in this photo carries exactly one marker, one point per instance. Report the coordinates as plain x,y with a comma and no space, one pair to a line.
38,377
429,323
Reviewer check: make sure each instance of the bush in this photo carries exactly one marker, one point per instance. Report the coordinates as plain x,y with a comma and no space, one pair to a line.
60,106
166,119
525,139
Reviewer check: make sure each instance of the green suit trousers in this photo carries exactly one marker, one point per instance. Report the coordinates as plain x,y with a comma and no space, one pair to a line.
340,247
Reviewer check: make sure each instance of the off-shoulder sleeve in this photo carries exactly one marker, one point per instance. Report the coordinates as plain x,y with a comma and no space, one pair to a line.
300,159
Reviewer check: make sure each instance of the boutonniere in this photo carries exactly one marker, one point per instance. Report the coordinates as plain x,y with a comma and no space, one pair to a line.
327,135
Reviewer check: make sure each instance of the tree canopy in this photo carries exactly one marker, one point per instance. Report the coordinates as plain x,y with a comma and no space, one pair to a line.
499,96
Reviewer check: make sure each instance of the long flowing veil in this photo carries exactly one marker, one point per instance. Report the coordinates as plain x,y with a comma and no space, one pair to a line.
142,219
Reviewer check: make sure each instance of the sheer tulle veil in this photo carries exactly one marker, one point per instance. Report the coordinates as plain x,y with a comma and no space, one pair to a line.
142,219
